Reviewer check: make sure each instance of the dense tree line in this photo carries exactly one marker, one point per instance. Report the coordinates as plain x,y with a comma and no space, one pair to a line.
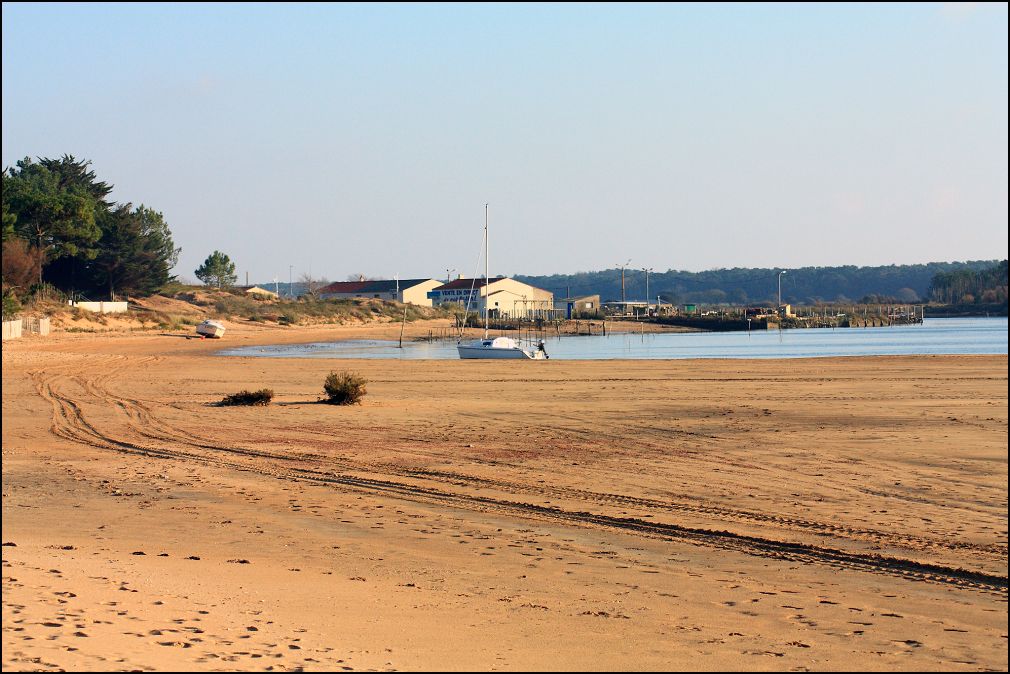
59,227
970,286
746,286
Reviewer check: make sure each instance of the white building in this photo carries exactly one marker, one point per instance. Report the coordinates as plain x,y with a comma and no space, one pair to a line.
505,297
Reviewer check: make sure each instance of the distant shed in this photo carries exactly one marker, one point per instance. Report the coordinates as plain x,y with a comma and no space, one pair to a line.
257,291
578,306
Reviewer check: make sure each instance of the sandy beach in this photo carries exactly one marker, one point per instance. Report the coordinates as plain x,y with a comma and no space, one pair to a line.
819,514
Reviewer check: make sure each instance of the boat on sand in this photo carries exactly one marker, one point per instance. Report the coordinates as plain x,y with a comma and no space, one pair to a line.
212,329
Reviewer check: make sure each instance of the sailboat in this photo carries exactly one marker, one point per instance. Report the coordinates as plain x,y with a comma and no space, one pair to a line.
499,347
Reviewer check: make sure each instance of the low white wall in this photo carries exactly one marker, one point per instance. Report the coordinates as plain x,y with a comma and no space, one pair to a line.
12,329
29,325
102,307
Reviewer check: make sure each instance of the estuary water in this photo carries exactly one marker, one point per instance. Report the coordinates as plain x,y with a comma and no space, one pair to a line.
934,336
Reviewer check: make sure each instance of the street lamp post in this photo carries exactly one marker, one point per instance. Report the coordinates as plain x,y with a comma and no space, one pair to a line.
448,275
780,289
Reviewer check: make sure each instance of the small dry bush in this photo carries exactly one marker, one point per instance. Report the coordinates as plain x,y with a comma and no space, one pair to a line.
344,388
21,262
261,397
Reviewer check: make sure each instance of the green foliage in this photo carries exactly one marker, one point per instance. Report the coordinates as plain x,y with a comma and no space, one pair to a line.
806,285
136,251
232,305
344,388
10,219
46,292
11,305
966,286
54,206
217,270
85,242
74,176
256,398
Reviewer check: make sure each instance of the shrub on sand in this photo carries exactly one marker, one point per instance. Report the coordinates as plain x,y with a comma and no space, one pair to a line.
344,388
261,397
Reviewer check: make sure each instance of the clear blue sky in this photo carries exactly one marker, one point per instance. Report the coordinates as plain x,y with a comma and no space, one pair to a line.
366,138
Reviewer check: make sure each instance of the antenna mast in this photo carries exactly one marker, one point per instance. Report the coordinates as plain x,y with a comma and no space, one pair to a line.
487,277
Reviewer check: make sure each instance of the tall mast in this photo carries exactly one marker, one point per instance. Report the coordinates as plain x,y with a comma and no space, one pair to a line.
487,277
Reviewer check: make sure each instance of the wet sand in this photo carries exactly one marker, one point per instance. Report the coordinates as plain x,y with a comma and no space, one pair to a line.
846,513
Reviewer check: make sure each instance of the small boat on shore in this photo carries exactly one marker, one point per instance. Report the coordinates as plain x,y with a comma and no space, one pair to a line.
209,328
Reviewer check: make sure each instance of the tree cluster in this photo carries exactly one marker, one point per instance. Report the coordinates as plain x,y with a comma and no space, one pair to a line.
970,286
60,227
757,286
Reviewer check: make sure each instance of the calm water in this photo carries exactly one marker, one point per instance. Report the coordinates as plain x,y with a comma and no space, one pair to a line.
935,336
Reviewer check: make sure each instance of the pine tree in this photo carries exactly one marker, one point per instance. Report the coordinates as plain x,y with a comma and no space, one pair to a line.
217,270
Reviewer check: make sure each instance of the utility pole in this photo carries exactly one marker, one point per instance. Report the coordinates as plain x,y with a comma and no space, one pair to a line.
647,288
624,300
291,290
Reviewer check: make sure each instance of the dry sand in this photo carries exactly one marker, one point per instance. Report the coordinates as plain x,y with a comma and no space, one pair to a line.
776,515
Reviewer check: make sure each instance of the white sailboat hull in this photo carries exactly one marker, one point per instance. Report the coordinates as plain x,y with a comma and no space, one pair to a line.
496,349
488,352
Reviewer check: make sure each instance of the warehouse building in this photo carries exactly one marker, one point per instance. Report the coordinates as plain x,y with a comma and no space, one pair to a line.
502,296
408,291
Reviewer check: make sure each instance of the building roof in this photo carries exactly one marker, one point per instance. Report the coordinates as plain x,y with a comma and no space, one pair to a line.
385,286
464,283
257,290
578,298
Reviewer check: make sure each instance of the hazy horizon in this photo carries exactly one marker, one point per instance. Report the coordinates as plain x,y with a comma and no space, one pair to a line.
338,139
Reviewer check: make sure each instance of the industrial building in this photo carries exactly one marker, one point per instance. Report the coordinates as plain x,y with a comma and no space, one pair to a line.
502,297
409,291
576,307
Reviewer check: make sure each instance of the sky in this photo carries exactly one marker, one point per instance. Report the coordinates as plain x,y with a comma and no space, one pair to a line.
333,140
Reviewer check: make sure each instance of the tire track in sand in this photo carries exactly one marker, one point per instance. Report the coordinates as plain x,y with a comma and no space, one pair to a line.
69,422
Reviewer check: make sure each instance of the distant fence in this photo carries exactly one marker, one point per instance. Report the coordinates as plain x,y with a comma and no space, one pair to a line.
102,307
35,325
31,325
